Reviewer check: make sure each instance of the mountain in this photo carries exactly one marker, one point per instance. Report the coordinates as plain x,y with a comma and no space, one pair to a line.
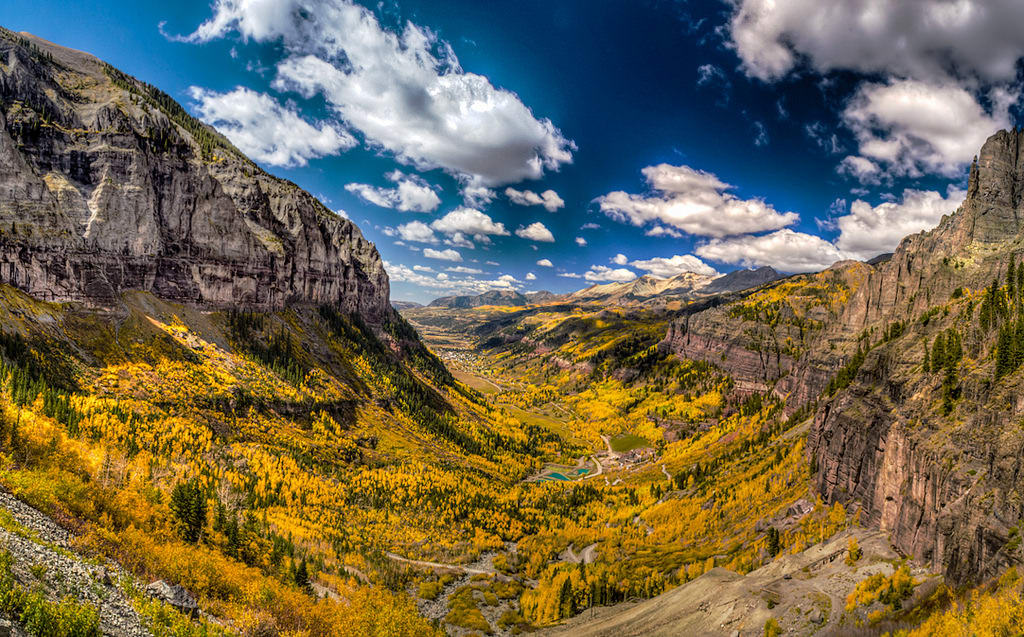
642,288
739,280
107,185
405,305
494,297
929,454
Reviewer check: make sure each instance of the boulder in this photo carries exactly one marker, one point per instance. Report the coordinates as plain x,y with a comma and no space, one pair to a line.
175,595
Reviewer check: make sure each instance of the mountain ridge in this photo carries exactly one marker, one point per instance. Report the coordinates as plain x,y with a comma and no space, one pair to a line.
108,185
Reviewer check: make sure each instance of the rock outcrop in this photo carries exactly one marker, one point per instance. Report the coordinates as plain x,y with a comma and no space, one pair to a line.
107,185
946,485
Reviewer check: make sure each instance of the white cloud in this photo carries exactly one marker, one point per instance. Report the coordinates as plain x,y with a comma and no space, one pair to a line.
662,231
924,39
461,222
549,198
411,194
266,131
863,170
341,213
493,263
620,259
477,196
693,201
530,276
784,249
461,269
673,266
443,255
915,128
535,232
416,231
444,282
869,231
570,275
460,240
545,263
604,274
590,225
581,242
406,92
422,268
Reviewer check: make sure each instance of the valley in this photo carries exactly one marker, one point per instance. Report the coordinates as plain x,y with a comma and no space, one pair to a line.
213,421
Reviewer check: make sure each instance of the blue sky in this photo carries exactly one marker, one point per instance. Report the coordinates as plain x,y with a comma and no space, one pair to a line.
637,137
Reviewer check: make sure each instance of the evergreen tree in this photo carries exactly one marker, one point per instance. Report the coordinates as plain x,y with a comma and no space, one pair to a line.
1011,280
926,365
773,541
939,352
188,503
1004,352
302,576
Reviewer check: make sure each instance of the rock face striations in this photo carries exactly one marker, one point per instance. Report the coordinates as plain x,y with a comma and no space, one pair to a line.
107,185
933,456
945,479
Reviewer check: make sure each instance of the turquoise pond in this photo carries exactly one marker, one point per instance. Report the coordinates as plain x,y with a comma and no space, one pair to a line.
573,474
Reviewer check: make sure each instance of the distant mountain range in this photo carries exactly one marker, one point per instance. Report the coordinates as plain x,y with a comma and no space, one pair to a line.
647,289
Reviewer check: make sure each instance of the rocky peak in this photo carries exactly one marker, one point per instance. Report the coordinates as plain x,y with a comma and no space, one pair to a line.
108,185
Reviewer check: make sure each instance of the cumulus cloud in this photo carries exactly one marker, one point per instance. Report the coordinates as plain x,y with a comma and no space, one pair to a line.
442,255
405,92
463,222
530,276
604,274
536,231
666,267
549,198
783,249
416,231
581,242
620,259
461,269
590,225
869,231
662,231
545,263
923,39
410,194
915,128
694,201
477,196
446,283
948,69
422,268
570,275
265,130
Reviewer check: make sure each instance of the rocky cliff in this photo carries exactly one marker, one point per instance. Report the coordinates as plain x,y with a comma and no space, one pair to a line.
760,338
935,458
945,479
107,185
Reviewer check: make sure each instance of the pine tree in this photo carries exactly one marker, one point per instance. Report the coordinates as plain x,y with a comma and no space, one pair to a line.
188,503
1011,279
939,352
302,575
1004,352
926,365
773,541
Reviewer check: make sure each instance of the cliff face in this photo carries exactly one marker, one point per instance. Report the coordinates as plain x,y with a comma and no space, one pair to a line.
778,337
107,185
947,481
947,486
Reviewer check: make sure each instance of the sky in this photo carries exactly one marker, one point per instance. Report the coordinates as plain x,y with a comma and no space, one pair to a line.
534,145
